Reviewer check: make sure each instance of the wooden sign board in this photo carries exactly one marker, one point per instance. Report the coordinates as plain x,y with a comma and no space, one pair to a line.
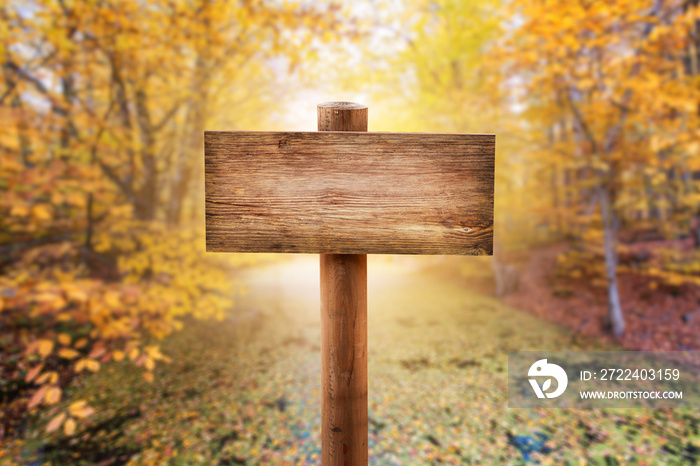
349,192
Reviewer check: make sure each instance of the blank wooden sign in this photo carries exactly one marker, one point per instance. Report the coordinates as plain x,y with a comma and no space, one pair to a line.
349,193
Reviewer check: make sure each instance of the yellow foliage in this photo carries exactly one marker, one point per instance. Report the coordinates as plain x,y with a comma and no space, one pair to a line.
64,339
47,377
45,347
92,268
80,409
149,364
67,353
52,395
69,427
19,211
87,364
41,212
81,343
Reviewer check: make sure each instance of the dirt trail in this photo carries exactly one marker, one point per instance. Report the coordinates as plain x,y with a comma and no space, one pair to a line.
437,353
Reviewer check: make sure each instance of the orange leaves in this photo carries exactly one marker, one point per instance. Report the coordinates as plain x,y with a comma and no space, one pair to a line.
98,350
38,397
86,322
91,303
77,410
64,339
45,347
31,375
19,211
81,343
76,199
36,213
154,352
112,300
75,293
80,409
69,427
56,422
67,353
604,88
47,377
42,212
146,362
52,395
149,364
87,364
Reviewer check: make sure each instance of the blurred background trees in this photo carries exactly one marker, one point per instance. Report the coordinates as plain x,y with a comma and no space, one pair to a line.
609,94
103,105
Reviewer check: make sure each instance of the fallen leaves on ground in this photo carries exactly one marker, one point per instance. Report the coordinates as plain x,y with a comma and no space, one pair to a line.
247,390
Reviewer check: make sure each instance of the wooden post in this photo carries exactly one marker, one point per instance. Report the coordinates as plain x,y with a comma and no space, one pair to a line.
341,192
343,329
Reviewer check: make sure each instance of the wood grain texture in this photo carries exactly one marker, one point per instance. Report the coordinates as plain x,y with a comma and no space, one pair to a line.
344,359
349,192
344,419
342,116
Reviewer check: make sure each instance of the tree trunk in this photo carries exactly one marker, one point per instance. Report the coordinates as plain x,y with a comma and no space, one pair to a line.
505,275
187,168
615,317
147,200
184,170
21,124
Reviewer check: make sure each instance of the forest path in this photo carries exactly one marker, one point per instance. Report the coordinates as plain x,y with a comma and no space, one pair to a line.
247,390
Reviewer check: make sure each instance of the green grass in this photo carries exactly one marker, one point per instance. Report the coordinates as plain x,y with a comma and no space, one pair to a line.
247,390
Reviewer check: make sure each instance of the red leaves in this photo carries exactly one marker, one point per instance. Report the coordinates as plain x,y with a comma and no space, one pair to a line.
654,314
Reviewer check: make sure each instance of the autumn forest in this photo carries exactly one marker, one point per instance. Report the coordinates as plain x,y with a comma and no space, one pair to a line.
123,342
